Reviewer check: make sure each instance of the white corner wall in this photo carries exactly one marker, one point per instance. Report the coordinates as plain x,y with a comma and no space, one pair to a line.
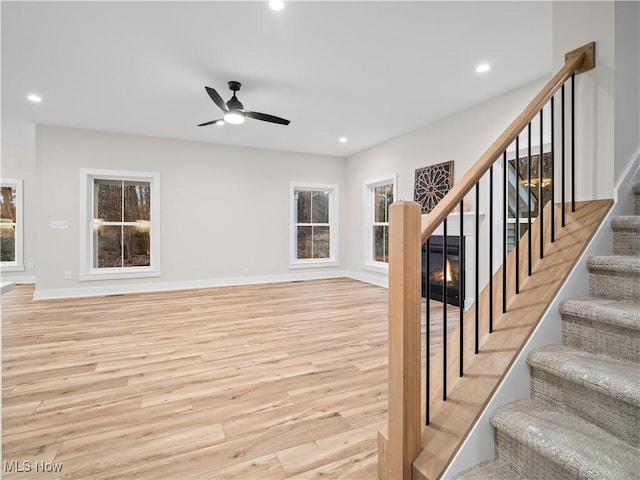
627,83
223,209
574,25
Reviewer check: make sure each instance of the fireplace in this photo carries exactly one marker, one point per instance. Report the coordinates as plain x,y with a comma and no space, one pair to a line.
437,275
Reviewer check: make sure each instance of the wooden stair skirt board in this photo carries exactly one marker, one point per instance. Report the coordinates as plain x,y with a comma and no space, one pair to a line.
452,420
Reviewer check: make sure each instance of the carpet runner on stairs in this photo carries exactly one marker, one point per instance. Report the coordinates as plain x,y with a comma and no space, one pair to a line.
582,420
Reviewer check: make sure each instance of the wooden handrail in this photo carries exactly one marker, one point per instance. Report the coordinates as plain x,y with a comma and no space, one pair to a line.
398,452
576,61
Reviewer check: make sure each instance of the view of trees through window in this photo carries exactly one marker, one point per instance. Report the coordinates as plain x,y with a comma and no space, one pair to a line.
382,198
122,214
312,224
8,224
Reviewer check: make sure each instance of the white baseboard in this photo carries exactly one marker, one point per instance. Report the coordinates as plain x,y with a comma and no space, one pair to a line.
183,285
373,279
18,279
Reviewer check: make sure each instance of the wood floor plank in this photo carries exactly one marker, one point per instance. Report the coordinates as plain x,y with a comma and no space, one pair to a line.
202,384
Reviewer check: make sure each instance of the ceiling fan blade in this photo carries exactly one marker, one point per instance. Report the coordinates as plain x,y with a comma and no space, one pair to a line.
266,118
217,99
209,123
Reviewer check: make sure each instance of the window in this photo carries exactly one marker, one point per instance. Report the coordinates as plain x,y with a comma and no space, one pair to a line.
120,224
378,197
314,225
11,226
523,192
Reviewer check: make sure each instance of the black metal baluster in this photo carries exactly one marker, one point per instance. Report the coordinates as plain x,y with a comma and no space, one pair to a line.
491,249
541,189
553,175
444,312
477,273
517,224
563,140
461,295
505,213
573,144
427,333
529,199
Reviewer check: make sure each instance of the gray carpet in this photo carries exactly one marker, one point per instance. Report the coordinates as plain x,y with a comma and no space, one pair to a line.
582,418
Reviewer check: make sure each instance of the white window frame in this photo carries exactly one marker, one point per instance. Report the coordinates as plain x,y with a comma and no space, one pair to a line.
369,262
295,262
87,224
18,264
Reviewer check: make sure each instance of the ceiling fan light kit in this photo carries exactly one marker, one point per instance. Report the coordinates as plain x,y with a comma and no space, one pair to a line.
234,117
233,110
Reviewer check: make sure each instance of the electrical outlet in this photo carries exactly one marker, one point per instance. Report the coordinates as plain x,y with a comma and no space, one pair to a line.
59,224
245,270
31,265
67,275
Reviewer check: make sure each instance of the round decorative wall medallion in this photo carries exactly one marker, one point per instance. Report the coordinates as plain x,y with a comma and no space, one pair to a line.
432,184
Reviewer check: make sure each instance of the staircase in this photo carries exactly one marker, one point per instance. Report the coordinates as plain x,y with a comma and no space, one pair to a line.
582,420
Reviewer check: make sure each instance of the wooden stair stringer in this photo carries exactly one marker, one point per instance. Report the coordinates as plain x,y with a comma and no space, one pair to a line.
467,396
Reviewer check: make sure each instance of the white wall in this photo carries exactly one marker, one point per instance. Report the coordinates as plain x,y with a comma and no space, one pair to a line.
574,25
462,137
627,83
223,208
20,163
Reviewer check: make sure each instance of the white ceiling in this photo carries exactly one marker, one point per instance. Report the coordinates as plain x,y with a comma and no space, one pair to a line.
366,70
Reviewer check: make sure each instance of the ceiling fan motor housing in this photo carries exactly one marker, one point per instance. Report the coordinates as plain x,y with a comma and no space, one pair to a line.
234,103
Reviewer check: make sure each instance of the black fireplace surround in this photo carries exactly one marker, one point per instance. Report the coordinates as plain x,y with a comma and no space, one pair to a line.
437,274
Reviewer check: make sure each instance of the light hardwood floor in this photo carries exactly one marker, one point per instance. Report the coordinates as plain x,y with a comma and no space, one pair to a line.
268,381
255,382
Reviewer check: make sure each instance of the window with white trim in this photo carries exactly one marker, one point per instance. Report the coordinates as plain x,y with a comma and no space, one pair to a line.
120,224
313,225
11,226
379,196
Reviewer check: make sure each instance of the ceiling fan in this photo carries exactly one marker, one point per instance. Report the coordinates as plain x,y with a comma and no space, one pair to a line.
234,111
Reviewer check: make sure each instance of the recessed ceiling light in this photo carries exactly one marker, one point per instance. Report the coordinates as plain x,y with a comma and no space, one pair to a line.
343,139
483,68
276,5
34,98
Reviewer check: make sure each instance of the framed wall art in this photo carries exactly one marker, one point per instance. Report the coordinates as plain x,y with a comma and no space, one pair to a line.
432,184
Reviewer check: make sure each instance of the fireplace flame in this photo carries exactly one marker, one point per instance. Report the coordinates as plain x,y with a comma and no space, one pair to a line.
448,272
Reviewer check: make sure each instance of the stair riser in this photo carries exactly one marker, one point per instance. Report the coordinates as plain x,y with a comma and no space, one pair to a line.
626,242
615,285
601,338
525,462
613,415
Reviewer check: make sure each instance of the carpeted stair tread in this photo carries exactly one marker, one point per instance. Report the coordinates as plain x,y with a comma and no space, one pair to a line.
614,263
614,312
626,235
626,222
489,470
570,443
615,276
613,377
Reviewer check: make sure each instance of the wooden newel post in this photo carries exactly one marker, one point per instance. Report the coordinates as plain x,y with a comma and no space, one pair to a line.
404,339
